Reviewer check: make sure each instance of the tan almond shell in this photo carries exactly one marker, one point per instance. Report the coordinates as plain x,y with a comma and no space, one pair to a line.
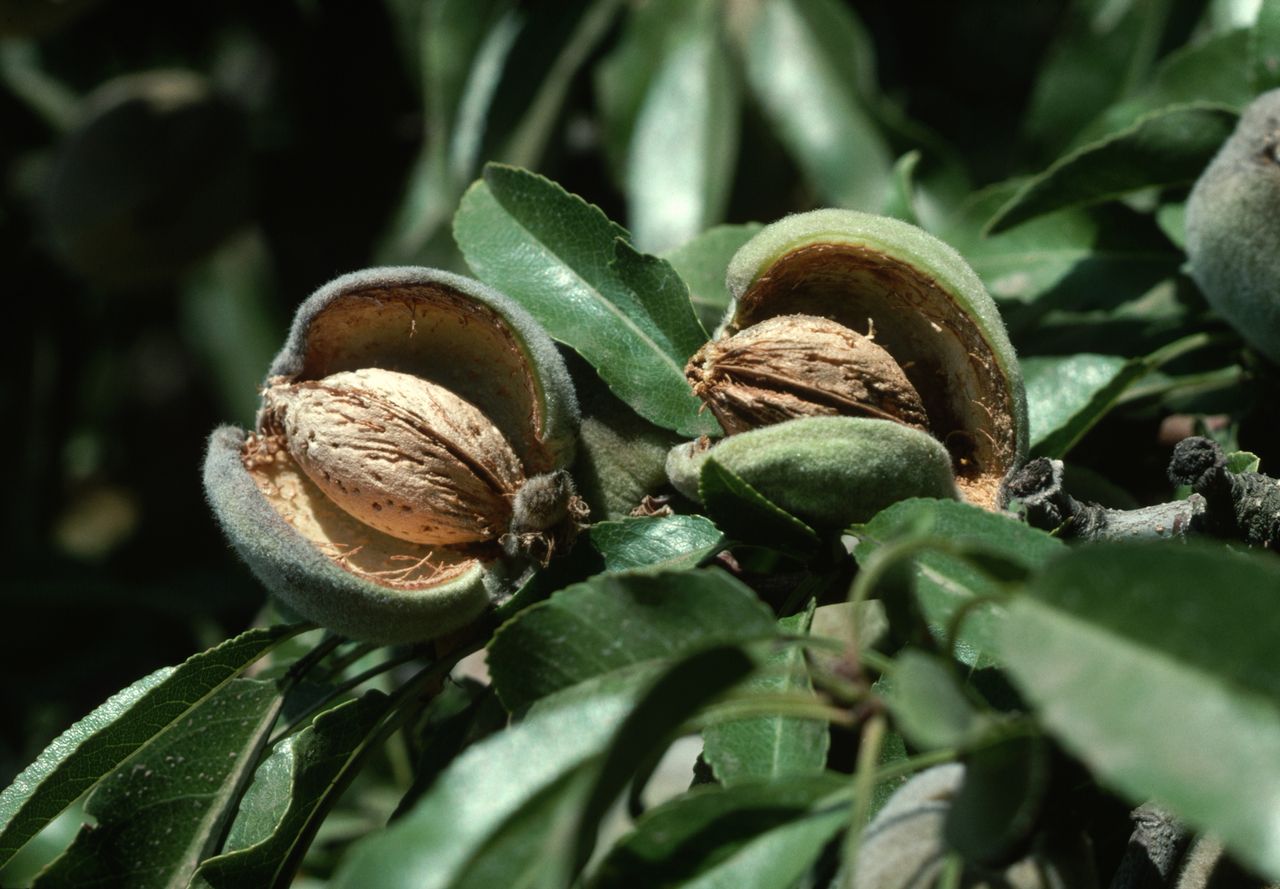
402,454
794,366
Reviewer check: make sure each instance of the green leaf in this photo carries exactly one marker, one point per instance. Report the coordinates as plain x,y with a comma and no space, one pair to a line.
465,46
1241,462
159,814
657,543
624,76
122,728
1155,665
703,263
685,137
810,95
1101,50
1075,259
292,791
1207,72
901,200
948,587
614,621
757,835
747,515
548,840
664,296
1264,48
497,802
1066,396
1000,800
1166,147
491,782
929,705
771,746
575,272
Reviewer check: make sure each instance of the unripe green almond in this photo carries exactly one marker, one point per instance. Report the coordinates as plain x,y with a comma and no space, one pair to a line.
155,175
1233,227
922,304
325,563
831,472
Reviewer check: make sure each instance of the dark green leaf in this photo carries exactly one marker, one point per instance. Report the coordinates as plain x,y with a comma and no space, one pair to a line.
1264,48
614,621
660,543
1000,799
662,293
809,92
901,200
758,835
1155,665
771,746
464,50
490,783
574,271
703,263
747,515
685,136
1067,396
623,77
949,587
1207,72
1073,259
929,706
120,729
292,791
1166,147
1100,51
165,810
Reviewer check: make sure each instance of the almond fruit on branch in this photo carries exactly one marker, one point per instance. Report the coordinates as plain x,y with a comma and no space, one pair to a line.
841,314
409,465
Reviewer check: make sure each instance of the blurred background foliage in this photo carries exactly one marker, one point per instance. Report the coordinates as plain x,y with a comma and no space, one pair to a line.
175,178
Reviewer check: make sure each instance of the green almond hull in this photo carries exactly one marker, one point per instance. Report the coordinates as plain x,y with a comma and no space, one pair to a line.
311,584
831,472
445,328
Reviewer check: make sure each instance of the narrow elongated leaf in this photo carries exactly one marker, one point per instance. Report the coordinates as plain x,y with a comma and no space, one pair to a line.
1264,48
1067,396
1155,665
757,835
575,271
464,50
549,839
292,791
771,746
929,706
160,814
613,621
809,95
747,515
624,76
1074,259
659,543
1097,56
1209,71
489,783
685,138
122,728
703,262
950,588
1166,147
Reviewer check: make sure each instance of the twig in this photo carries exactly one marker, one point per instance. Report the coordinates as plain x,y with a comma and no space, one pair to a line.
1244,507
